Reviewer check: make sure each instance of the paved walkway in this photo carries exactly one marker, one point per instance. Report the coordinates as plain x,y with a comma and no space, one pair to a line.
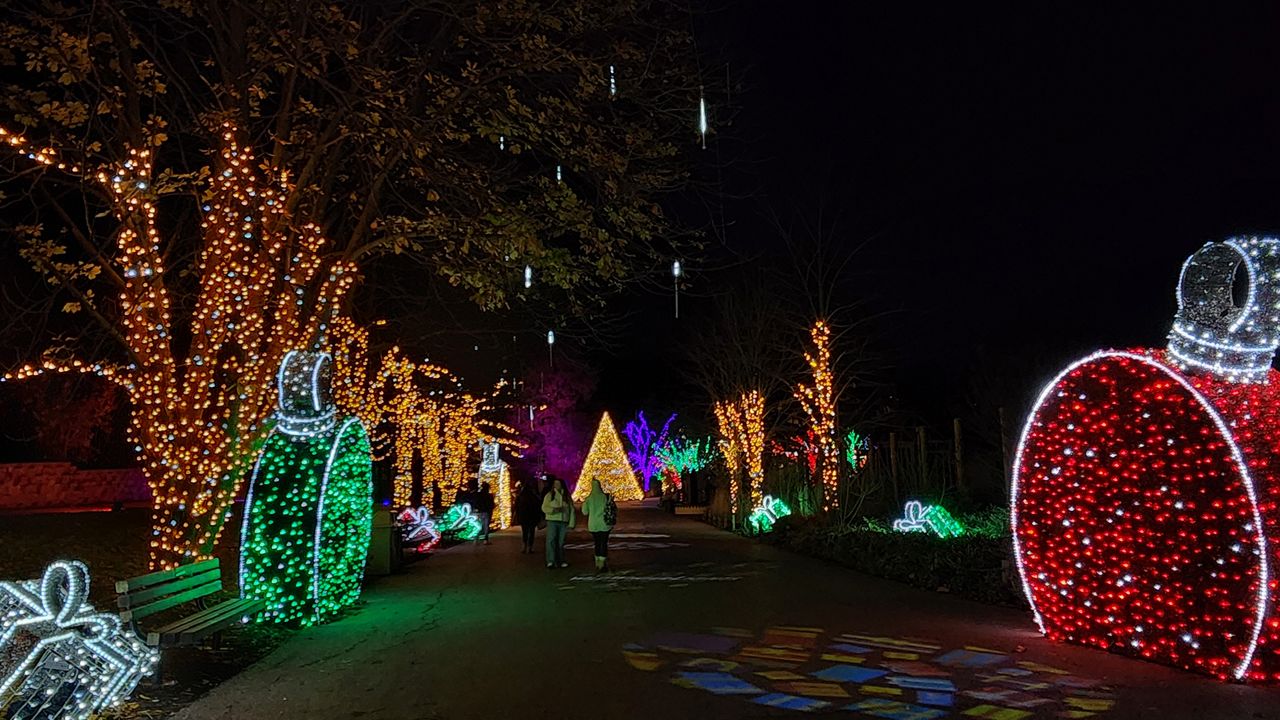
696,623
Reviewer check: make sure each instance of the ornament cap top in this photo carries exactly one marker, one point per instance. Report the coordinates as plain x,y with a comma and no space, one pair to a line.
1228,324
305,396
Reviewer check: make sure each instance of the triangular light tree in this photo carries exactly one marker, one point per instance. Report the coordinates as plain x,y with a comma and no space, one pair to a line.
607,460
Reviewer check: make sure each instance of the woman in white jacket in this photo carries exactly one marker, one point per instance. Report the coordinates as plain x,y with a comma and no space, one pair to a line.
594,508
557,506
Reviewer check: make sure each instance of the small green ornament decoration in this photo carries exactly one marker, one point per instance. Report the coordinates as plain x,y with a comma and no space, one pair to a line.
765,514
309,511
459,523
918,517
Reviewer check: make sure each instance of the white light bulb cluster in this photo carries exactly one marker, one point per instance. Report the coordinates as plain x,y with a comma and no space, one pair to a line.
63,659
306,407
418,529
496,473
489,458
1211,332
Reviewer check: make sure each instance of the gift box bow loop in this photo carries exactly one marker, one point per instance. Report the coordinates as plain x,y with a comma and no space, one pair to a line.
60,605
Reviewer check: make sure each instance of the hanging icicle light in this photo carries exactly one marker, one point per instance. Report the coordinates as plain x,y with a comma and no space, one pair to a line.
675,281
551,346
559,174
502,142
702,120
528,277
613,82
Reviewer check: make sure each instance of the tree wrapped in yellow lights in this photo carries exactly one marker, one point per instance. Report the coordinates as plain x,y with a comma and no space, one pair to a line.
359,387
740,423
818,401
201,392
607,461
441,428
727,421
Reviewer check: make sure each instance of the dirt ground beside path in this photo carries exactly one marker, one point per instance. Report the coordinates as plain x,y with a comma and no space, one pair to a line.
695,622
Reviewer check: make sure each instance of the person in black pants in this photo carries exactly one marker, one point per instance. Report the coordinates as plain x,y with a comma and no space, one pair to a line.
594,507
528,514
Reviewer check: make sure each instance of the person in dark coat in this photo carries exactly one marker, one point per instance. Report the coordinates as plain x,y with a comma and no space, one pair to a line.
528,514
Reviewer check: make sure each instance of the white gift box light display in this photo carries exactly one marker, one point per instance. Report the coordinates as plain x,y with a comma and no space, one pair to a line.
59,658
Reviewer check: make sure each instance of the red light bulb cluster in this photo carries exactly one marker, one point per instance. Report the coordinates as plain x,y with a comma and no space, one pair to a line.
1144,513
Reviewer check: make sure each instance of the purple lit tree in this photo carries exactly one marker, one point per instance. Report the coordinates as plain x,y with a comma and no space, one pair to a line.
559,430
644,446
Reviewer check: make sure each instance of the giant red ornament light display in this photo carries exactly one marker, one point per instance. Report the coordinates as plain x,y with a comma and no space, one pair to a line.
1144,487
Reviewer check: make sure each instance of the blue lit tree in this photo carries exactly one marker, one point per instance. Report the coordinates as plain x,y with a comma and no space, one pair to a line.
645,442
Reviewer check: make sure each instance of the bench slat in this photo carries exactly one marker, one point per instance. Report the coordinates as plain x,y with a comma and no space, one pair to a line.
184,631
141,597
142,581
194,621
192,628
171,601
159,591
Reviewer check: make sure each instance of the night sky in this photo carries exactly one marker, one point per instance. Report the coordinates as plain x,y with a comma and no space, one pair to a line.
1024,184
1027,181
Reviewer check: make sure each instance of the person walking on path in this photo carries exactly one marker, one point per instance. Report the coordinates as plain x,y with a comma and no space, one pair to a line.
558,507
482,503
602,513
528,514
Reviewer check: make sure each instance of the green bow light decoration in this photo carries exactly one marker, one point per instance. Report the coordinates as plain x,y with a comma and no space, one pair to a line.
766,514
460,523
918,517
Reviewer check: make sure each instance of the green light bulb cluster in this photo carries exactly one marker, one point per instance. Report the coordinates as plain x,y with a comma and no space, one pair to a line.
766,514
459,523
307,523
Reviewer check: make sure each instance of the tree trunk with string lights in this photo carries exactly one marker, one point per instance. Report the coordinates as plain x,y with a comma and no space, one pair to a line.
264,289
818,401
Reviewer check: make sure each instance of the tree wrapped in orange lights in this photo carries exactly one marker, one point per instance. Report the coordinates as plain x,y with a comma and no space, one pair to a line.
740,424
360,387
202,391
727,421
818,401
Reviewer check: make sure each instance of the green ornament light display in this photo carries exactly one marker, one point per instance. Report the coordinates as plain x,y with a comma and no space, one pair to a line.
918,517
309,511
460,524
767,513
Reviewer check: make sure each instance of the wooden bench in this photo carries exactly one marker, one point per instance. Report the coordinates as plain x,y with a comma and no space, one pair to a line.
156,592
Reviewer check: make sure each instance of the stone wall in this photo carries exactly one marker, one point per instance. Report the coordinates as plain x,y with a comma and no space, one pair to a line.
33,486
